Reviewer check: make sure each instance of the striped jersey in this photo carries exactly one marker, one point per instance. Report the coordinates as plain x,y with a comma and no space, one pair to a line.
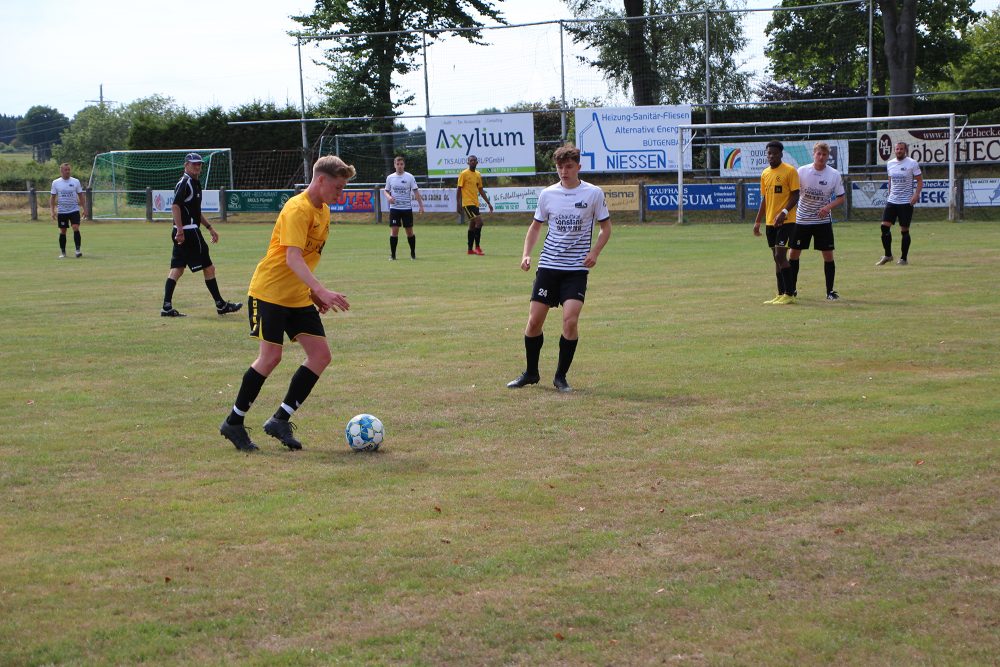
901,182
401,187
816,190
570,215
67,192
187,195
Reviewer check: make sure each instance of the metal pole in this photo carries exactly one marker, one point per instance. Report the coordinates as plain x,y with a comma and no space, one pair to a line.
562,81
427,90
306,176
869,103
680,174
951,168
708,105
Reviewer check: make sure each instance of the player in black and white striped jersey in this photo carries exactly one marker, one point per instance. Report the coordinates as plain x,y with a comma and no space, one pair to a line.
569,208
905,184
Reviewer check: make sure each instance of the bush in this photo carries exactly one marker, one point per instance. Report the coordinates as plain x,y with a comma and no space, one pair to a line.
14,175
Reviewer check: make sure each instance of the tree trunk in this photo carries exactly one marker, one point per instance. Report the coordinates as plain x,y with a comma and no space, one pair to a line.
643,86
900,26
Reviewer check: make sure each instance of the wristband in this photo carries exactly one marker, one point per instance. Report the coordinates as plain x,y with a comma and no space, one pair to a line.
785,211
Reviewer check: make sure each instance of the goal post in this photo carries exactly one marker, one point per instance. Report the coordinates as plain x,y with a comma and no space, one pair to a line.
687,133
119,179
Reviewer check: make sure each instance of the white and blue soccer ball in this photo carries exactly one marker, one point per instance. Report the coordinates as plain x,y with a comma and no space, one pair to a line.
365,433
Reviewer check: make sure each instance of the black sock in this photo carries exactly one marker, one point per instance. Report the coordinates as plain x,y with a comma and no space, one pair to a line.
298,391
249,389
887,240
479,235
786,280
532,350
472,237
781,281
830,270
793,265
393,241
412,240
76,239
567,348
62,243
906,244
168,293
213,288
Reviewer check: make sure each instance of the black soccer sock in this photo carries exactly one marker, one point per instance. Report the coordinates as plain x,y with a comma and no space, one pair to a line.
567,348
393,242
781,281
793,266
472,237
76,239
479,235
298,391
412,240
785,278
533,350
887,240
213,288
830,270
168,293
62,243
905,244
249,389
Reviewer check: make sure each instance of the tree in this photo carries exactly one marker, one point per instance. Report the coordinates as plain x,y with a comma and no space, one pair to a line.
661,60
384,40
95,129
980,68
824,51
40,128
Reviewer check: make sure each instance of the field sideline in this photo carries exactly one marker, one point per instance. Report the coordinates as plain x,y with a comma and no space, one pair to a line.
731,483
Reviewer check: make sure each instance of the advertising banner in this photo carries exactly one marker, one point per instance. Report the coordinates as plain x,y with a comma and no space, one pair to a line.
503,143
514,200
163,201
721,197
978,143
749,159
355,201
621,197
631,139
436,200
254,201
872,194
981,192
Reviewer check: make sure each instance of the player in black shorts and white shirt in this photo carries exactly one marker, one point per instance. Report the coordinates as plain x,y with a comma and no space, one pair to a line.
570,208
66,203
400,191
903,173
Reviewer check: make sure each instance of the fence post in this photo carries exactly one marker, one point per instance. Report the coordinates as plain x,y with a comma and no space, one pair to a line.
89,203
642,201
741,199
33,202
222,204
149,204
960,196
378,207
849,197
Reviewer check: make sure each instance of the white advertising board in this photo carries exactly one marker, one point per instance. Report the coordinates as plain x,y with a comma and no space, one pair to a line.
163,200
503,143
631,139
748,160
976,144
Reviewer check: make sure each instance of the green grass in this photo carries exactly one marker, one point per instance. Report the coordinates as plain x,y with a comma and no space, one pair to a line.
730,483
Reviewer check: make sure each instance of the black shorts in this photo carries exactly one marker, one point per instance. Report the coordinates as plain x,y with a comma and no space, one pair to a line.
780,236
471,212
821,236
64,220
270,322
553,287
400,217
193,253
902,212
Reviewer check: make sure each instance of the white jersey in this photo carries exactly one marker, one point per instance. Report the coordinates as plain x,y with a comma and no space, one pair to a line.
401,187
901,181
816,190
570,215
67,191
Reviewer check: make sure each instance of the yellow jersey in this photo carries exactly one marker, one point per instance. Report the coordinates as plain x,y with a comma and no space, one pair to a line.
776,187
299,225
470,182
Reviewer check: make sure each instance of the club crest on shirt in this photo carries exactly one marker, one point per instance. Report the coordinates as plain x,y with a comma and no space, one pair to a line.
580,204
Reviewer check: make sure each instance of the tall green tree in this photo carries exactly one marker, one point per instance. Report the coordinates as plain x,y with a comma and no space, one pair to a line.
95,129
824,51
381,43
40,128
661,60
980,67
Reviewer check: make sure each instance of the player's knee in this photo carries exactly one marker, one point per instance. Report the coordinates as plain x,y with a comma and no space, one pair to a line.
887,231
319,358
905,231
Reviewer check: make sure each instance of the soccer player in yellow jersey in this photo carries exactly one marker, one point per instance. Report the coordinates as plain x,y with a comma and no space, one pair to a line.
470,188
779,194
287,298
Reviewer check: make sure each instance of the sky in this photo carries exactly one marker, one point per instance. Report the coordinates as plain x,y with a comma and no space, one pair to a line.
227,53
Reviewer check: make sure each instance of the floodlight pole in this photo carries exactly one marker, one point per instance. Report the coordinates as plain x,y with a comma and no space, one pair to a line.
869,103
562,81
427,90
953,190
306,177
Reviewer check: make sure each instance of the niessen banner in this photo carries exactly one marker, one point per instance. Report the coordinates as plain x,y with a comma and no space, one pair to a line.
977,144
750,159
631,139
503,143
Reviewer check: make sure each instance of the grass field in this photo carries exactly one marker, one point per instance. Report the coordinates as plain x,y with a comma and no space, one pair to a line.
730,483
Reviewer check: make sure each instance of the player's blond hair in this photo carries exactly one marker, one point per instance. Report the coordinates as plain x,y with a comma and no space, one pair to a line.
331,165
566,153
821,146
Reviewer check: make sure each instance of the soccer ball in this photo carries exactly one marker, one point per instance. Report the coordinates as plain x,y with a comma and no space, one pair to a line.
364,433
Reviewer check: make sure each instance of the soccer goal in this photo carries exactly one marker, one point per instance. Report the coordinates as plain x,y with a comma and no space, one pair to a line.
741,155
120,179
